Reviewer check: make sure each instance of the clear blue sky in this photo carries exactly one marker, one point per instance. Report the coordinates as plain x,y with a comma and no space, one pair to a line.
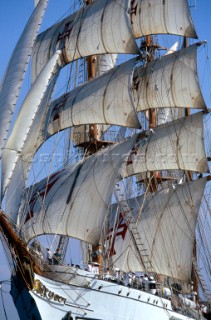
13,16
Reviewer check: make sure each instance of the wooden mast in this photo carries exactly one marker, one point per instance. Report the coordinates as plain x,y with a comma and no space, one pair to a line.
152,124
93,131
189,176
25,261
94,146
151,112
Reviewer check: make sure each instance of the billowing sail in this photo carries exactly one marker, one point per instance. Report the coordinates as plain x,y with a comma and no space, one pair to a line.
175,145
109,100
175,142
103,63
25,118
155,17
161,82
172,146
105,27
33,141
166,225
74,202
92,30
14,75
104,100
168,114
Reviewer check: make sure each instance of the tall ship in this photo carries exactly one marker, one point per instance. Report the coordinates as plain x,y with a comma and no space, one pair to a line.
105,183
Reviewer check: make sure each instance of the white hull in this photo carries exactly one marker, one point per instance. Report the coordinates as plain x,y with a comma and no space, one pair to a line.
99,299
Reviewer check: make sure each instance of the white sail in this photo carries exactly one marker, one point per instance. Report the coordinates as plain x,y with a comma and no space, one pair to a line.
24,120
36,2
34,140
171,147
166,226
105,27
108,99
161,82
104,100
155,17
92,30
175,145
54,204
32,143
104,62
14,75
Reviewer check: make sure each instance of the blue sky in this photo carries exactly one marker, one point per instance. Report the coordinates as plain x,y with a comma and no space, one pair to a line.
13,16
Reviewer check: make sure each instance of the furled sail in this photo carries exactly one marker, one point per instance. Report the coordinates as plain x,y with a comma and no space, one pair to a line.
166,225
53,205
13,78
104,62
24,120
175,145
106,27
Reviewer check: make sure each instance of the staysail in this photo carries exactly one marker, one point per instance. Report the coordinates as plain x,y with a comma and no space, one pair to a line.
14,75
33,140
166,222
24,120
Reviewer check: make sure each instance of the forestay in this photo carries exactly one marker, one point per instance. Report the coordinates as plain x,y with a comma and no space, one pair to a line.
166,225
14,75
105,27
175,145
24,120
74,202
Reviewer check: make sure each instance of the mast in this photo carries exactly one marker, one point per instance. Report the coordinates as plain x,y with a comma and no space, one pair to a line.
91,142
91,146
150,48
189,176
26,262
